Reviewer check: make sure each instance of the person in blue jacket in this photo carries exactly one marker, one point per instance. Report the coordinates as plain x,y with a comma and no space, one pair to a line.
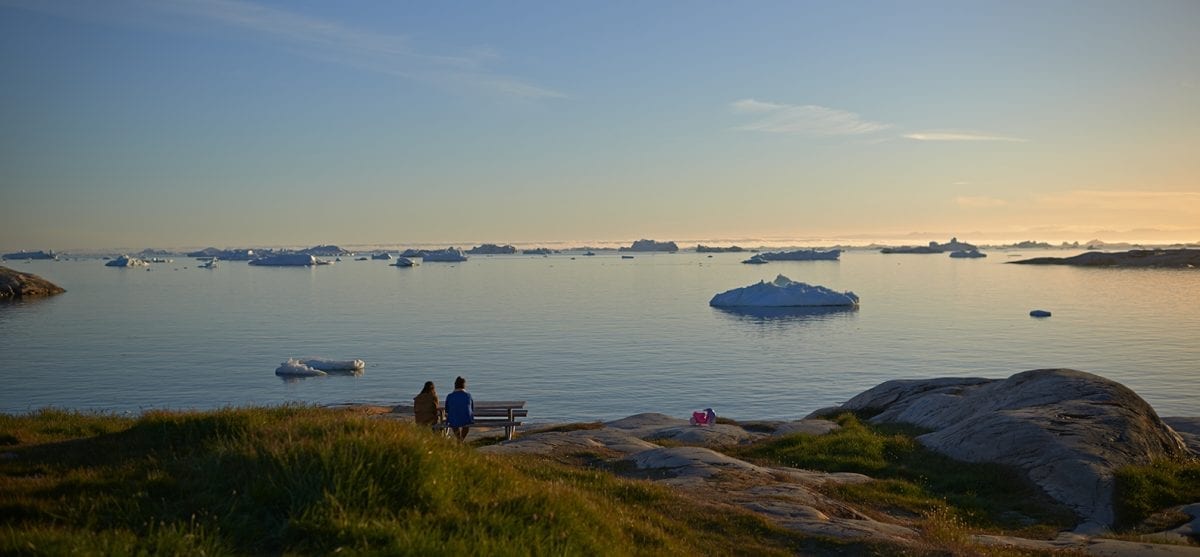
460,409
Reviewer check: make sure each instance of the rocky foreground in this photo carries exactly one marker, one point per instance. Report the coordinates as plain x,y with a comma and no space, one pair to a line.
1067,431
15,284
1156,258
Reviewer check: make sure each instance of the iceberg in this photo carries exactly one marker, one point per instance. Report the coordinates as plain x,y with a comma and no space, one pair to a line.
449,255
651,245
1039,313
316,367
126,261
967,254
402,262
294,368
323,364
755,260
30,255
802,255
382,257
287,260
783,292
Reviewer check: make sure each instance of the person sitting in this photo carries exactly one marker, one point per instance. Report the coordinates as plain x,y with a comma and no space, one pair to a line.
425,405
460,409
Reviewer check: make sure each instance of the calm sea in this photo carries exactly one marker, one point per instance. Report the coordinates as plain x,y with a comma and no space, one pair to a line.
586,338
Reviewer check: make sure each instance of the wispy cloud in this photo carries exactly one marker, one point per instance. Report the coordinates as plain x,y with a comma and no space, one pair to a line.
979,202
960,136
807,119
313,37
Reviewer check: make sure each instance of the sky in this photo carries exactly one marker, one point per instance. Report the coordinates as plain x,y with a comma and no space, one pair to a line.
229,123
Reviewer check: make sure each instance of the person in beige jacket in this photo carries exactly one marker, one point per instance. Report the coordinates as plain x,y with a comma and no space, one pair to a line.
425,405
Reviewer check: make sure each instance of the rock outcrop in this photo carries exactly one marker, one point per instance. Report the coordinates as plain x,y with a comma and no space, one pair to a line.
15,284
1161,258
786,496
1068,431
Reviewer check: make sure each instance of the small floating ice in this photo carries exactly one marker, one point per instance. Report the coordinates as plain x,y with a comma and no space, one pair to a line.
295,368
783,292
754,260
323,364
402,262
1039,313
316,367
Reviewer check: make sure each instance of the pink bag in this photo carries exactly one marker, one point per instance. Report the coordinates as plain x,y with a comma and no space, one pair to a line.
699,418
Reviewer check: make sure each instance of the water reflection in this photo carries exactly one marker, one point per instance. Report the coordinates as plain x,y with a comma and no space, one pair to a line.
785,315
289,378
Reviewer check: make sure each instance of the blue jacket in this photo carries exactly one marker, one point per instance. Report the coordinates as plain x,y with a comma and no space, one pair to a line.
460,409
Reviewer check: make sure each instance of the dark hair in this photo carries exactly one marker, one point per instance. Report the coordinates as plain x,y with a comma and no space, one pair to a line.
460,383
428,388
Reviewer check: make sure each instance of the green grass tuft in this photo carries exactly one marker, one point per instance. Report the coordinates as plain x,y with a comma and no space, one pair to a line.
1142,491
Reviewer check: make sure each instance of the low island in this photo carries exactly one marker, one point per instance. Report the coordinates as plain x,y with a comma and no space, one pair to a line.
1182,258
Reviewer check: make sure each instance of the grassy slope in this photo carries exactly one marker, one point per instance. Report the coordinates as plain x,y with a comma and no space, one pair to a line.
305,480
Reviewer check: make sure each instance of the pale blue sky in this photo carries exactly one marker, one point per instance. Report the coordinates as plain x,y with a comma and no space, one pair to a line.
231,123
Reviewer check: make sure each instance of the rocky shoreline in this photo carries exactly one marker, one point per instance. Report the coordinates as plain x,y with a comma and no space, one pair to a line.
15,285
1066,431
1182,258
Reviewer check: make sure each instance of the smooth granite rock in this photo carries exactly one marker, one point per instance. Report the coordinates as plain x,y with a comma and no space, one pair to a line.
1188,429
1067,430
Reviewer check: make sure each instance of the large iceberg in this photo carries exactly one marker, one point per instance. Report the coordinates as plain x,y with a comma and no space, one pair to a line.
783,292
449,255
288,260
126,261
802,255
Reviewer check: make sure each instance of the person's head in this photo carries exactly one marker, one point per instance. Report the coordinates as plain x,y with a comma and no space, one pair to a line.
460,383
428,388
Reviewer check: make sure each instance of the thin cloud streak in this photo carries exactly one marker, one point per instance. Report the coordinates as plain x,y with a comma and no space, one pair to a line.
960,136
809,119
315,38
979,202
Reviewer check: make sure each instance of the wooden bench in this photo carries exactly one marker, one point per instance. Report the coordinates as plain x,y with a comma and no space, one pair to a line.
492,413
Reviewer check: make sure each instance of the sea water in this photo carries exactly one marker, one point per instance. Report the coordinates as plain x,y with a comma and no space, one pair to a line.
586,338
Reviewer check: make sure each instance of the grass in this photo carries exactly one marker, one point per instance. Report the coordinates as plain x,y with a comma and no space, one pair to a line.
308,480
916,485
1143,492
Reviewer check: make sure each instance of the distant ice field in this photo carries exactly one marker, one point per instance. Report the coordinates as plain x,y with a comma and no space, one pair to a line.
586,338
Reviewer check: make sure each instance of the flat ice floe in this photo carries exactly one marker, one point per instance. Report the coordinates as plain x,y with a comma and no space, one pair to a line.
783,292
294,368
333,365
316,367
